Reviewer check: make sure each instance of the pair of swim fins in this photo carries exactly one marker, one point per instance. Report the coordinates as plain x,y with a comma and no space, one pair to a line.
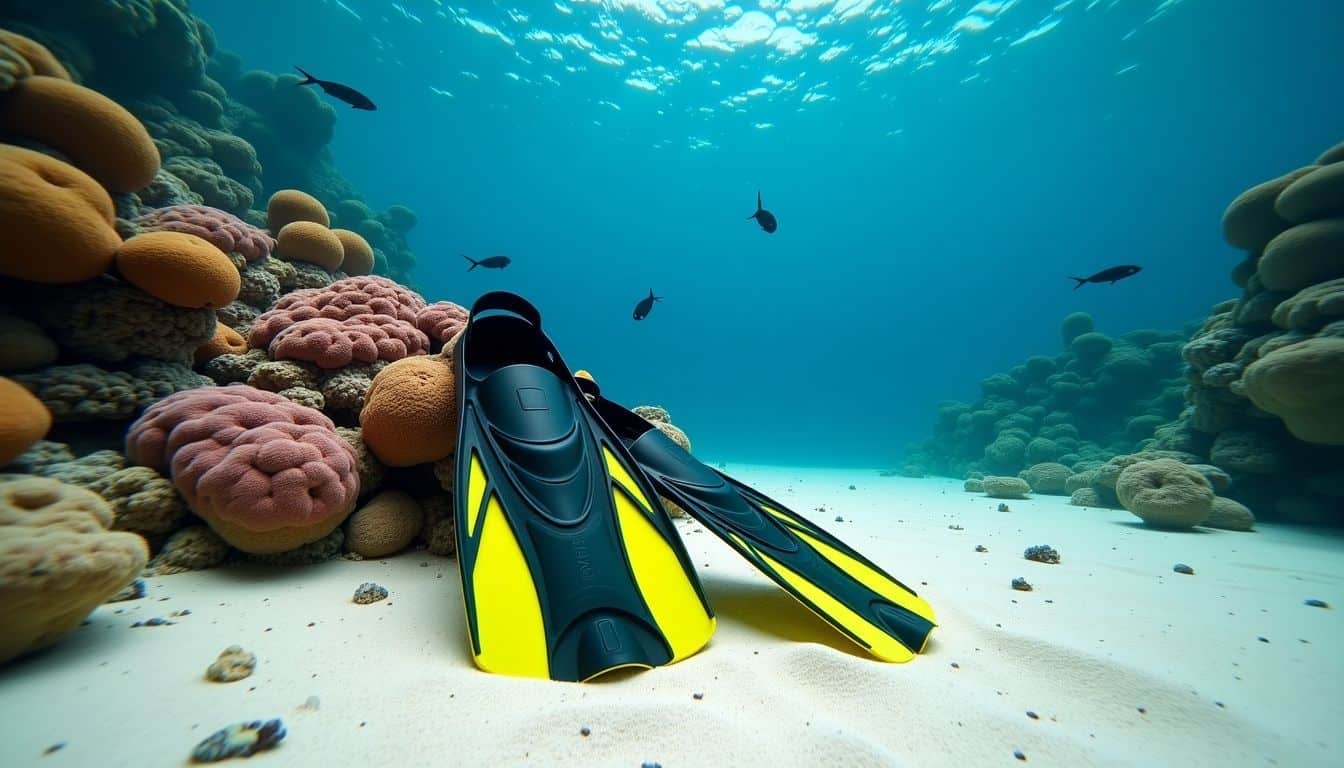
570,565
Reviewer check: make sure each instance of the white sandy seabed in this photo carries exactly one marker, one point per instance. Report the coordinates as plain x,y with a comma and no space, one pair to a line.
1122,660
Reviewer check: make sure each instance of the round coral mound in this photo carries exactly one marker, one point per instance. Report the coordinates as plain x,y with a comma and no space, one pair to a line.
341,300
226,341
358,258
1250,220
271,488
147,438
1301,384
222,229
180,269
40,60
23,420
1313,195
442,320
310,242
96,133
1304,255
360,339
384,526
1165,493
24,345
291,205
57,221
410,413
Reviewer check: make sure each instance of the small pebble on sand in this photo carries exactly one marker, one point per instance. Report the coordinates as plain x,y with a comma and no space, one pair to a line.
1018,754
1314,603
369,592
239,740
981,548
1033,715
697,695
585,730
1042,553
233,664
839,519
1004,508
1183,568
1021,584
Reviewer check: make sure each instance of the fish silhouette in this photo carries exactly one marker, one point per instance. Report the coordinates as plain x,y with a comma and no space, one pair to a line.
343,92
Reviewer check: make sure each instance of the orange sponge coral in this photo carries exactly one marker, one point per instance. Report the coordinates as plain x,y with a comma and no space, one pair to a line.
290,205
311,242
358,253
58,222
23,420
410,413
96,133
226,341
178,268
38,57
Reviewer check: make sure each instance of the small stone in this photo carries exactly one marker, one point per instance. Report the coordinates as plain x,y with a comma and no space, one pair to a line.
1021,585
955,528
1314,603
1042,553
852,488
585,730
839,519
1004,507
651,765
233,664
1183,568
1143,710
239,740
1018,754
1263,639
369,592
955,665
1033,715
57,747
697,695
981,548
133,591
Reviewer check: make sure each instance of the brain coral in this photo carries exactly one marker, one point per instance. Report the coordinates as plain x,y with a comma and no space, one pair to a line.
290,205
109,321
1301,384
310,242
267,489
442,320
337,343
226,341
147,438
341,300
1311,307
410,413
58,561
1313,195
23,420
358,254
98,135
1165,493
222,229
180,269
58,222
1306,254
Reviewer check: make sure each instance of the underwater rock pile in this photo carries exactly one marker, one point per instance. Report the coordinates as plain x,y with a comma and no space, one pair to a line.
1055,415
1265,376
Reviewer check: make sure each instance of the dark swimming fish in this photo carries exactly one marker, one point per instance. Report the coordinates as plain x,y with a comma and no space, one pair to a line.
645,305
489,262
1108,275
763,217
343,92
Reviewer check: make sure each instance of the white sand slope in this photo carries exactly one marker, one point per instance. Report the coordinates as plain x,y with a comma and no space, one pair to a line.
1123,661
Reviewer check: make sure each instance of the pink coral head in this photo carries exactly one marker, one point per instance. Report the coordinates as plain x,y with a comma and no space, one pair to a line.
225,231
147,438
342,300
270,477
225,423
360,339
442,320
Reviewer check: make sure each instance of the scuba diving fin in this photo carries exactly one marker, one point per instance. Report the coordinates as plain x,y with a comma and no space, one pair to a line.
570,565
837,583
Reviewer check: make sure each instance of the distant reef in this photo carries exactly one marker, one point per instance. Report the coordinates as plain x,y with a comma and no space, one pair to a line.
1251,399
228,137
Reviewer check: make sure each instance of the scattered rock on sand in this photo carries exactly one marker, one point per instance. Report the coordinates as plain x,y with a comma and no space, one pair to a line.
1042,553
239,740
233,664
1021,585
369,592
1183,568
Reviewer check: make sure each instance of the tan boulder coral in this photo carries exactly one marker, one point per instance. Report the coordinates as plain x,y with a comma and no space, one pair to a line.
1086,497
193,548
1229,515
385,525
23,57
226,341
1301,384
1311,307
310,242
180,269
1005,487
290,205
1313,195
23,420
24,346
58,561
1307,254
1250,221
358,254
1165,493
410,412
1047,477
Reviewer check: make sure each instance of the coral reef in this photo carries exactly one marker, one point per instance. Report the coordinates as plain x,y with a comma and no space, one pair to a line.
387,524
24,420
410,412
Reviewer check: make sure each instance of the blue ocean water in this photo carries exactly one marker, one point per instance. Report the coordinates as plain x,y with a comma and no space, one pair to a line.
938,169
